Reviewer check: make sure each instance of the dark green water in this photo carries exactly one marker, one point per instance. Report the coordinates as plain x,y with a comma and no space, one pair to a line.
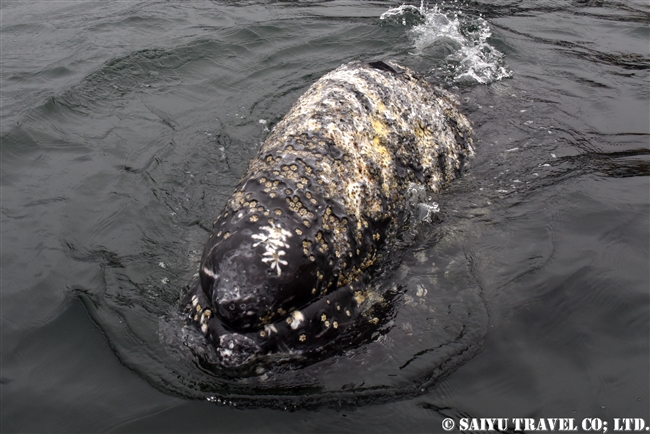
126,125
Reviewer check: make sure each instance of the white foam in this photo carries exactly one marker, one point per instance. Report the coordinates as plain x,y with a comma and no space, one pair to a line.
472,58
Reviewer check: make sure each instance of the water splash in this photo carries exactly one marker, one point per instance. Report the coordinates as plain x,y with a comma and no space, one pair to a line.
456,43
405,15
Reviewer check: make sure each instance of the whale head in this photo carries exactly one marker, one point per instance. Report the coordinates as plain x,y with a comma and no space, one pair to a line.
256,275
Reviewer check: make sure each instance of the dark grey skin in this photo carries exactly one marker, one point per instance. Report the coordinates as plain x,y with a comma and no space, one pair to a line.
287,266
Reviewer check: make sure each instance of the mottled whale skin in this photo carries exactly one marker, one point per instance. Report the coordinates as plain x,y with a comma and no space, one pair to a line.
286,268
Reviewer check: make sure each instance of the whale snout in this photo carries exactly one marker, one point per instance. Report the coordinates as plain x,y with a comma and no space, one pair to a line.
239,313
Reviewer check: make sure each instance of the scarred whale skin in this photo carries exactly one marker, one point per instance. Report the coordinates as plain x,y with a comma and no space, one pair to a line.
286,267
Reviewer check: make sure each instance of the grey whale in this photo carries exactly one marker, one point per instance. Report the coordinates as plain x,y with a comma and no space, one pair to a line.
286,268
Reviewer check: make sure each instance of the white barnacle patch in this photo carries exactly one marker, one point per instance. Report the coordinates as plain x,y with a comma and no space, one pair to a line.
209,272
298,319
273,240
274,258
270,329
204,319
205,316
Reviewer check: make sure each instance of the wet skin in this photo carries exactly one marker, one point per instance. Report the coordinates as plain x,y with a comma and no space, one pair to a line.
287,266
